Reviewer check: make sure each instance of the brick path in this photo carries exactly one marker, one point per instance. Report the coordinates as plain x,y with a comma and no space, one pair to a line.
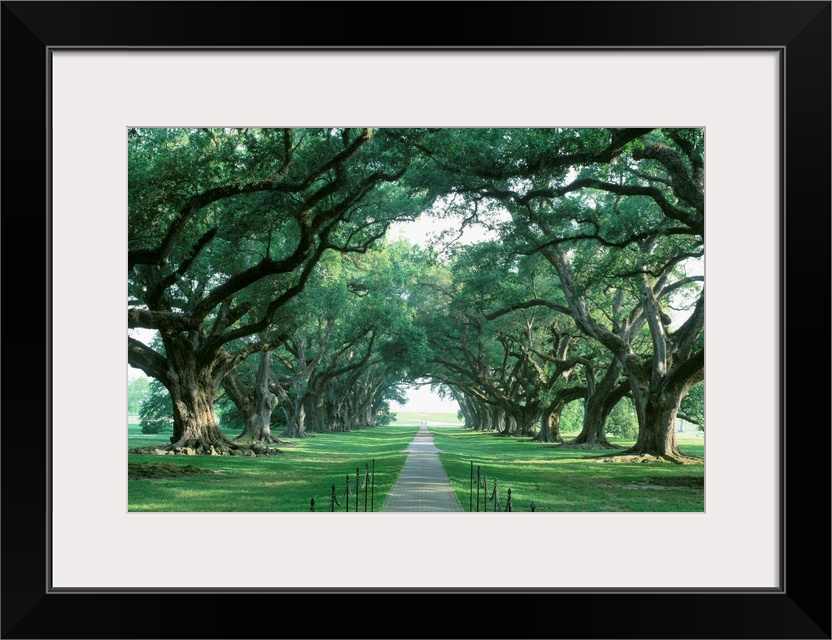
422,484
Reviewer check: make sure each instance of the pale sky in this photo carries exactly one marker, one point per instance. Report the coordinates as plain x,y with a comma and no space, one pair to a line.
427,228
423,399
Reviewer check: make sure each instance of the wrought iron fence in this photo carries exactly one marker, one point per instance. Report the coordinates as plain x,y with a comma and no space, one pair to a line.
368,485
481,482
353,489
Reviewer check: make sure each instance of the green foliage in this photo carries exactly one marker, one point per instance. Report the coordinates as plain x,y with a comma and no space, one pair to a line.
228,416
226,225
572,417
137,390
584,222
156,410
693,406
622,421
385,416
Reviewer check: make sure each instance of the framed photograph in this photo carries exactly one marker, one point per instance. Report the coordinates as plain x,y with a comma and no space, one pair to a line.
77,76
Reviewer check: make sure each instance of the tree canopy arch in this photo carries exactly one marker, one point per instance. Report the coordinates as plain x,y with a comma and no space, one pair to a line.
272,242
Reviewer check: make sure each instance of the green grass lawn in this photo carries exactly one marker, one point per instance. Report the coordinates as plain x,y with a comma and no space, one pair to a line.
558,479
555,479
285,483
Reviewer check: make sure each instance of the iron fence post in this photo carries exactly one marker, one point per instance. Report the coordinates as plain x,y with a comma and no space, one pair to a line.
478,488
373,487
495,495
485,491
357,470
471,490
366,482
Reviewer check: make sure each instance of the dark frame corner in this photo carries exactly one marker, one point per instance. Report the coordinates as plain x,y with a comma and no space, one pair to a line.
800,30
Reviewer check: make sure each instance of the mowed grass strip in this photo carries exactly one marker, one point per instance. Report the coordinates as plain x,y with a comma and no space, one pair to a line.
307,469
557,479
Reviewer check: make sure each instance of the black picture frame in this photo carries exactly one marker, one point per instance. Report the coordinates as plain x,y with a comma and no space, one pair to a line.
800,608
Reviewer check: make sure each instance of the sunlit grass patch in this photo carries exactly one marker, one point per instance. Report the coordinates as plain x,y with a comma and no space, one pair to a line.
287,483
554,478
558,479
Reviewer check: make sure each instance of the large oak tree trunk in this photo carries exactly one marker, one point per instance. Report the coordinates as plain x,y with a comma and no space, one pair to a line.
550,425
657,423
296,422
255,403
593,433
598,404
294,409
194,421
337,421
484,419
257,418
526,420
316,414
550,418
469,414
657,393
554,425
193,391
498,420
677,361
258,429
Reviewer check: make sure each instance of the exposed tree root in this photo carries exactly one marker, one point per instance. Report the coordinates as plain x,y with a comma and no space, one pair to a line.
646,457
294,432
547,438
202,448
270,439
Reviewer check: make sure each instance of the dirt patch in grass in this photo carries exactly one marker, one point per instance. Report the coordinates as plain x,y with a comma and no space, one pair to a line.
150,470
690,482
678,482
588,447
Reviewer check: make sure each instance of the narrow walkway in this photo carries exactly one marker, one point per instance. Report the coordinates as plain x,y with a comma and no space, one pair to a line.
422,484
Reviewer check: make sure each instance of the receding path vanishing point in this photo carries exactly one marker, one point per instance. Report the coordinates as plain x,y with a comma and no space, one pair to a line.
422,485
